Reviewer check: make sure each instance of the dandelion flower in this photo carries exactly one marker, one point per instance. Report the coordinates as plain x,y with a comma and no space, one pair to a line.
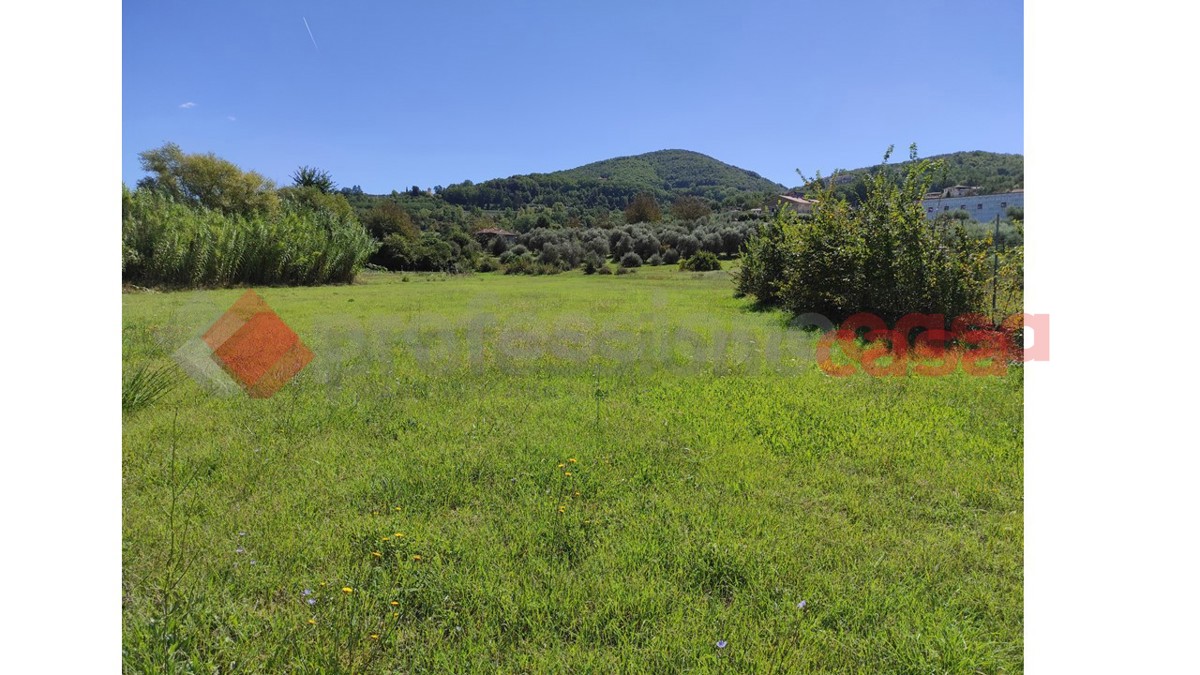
416,558
399,535
398,508
568,473
561,465
312,622
562,509
577,493
572,460
721,644
377,554
347,589
374,636
394,603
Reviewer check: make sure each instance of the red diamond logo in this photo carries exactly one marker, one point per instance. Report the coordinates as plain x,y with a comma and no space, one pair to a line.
255,346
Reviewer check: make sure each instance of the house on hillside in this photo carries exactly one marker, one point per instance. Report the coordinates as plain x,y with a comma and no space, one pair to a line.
488,233
797,204
960,191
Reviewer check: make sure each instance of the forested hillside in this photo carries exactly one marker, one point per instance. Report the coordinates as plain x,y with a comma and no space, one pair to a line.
612,183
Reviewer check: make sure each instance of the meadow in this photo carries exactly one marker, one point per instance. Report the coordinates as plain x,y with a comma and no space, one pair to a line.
565,473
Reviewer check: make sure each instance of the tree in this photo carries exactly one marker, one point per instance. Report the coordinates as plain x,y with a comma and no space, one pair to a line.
207,180
387,218
308,176
883,257
643,209
690,208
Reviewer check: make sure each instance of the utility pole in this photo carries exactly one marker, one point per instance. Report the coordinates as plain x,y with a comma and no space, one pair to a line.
995,265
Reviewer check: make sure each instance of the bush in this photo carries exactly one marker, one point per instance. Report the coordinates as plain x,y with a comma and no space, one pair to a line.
655,260
487,264
671,256
631,259
704,261
625,270
604,269
165,242
764,259
883,257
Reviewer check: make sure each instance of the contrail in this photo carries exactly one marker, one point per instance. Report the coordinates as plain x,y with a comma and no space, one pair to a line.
310,35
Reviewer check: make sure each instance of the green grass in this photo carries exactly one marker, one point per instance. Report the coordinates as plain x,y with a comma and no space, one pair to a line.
710,494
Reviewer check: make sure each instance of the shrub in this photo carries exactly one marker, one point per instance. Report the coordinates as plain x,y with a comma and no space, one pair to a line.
670,256
631,259
604,269
883,257
625,270
165,242
764,259
704,261
487,264
592,263
655,260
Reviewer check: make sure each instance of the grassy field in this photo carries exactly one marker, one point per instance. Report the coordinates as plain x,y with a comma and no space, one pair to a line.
564,474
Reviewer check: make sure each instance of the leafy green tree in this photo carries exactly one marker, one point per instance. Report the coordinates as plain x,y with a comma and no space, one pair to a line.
207,180
388,218
690,208
882,257
643,209
309,176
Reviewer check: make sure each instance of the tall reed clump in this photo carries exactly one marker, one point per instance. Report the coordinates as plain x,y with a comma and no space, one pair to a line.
167,243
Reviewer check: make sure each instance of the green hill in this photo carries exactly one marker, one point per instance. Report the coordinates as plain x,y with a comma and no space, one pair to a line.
992,171
612,183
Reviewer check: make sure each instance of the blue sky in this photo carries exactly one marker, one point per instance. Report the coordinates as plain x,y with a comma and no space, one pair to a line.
399,94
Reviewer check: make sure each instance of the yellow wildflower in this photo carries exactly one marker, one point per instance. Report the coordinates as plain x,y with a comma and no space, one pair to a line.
377,554
399,535
393,603
568,473
347,589
572,460
312,622
561,465
374,636
416,557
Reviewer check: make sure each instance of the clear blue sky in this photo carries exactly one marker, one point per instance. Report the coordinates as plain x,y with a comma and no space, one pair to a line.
398,94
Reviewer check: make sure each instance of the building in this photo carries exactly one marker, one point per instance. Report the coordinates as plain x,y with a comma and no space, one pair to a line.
797,204
488,233
982,208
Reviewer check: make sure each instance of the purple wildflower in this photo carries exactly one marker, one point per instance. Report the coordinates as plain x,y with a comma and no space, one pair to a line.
721,644
803,604
239,550
311,601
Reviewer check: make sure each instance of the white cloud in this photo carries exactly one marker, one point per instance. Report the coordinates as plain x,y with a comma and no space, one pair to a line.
189,104
231,118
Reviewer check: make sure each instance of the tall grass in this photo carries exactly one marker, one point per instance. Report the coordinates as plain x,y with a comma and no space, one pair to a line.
147,384
165,243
